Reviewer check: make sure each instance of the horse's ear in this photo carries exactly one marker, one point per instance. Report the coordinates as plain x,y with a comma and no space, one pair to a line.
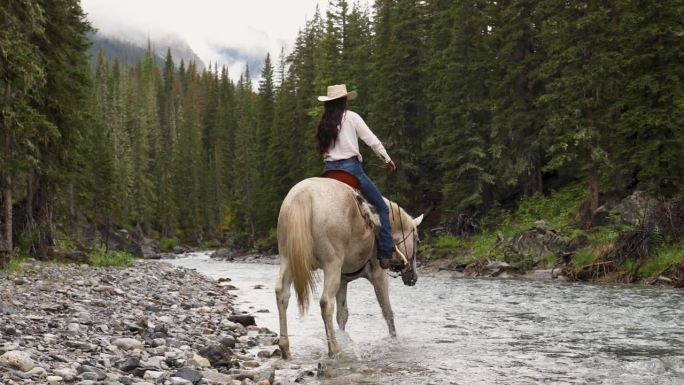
418,220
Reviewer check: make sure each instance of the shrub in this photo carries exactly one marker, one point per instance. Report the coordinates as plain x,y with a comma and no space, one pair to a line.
99,256
168,244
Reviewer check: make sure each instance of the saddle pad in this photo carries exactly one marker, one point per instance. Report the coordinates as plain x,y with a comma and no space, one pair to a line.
343,177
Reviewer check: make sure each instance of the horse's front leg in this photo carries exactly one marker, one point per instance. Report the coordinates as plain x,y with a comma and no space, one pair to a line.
378,279
342,310
282,298
331,284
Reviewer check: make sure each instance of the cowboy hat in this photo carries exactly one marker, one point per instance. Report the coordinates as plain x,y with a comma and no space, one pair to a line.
338,91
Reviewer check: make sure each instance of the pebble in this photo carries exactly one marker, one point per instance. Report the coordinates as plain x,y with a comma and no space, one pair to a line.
76,324
128,344
54,380
18,360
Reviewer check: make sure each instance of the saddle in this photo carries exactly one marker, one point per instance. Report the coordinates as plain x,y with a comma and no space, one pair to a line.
344,177
366,210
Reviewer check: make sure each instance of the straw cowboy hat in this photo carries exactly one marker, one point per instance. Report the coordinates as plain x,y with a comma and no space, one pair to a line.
338,91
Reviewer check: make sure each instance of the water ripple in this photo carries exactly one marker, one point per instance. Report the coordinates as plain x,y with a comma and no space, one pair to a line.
484,331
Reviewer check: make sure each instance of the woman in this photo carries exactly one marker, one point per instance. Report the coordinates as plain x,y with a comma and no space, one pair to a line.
337,140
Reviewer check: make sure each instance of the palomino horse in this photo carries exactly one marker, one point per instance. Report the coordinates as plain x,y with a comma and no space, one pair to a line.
322,226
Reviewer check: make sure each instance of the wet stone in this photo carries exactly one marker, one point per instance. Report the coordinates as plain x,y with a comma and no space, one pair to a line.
75,324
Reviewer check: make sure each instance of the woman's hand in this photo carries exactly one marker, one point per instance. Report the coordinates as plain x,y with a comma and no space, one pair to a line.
391,166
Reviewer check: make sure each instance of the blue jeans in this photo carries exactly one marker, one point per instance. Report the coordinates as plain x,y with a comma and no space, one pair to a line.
372,194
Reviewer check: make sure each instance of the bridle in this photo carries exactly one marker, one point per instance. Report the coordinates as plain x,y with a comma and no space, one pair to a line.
404,239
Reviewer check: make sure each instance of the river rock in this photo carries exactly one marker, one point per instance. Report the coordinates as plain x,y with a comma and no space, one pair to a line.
216,378
179,381
217,354
127,364
99,373
18,360
153,375
128,344
114,326
68,374
189,374
243,319
227,341
222,254
37,372
199,361
54,380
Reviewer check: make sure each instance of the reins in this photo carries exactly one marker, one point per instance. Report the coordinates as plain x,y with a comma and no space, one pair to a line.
405,236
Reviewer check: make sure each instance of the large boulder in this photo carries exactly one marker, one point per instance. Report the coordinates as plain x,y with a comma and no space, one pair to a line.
528,248
222,254
633,209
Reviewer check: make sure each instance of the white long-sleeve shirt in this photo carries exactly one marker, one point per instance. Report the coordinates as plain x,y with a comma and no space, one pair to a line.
346,146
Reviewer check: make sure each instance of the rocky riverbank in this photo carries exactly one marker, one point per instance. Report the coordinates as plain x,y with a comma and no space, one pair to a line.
148,324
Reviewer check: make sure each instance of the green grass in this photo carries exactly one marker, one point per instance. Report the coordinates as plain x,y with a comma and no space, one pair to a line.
557,209
584,258
168,244
14,266
666,257
100,258
448,242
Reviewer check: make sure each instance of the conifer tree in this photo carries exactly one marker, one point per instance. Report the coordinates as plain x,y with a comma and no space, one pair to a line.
62,100
582,88
651,137
459,98
398,111
21,74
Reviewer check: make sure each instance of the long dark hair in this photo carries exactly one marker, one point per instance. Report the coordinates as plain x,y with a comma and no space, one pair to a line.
328,127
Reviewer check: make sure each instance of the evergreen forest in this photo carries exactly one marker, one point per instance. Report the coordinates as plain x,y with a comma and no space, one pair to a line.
480,103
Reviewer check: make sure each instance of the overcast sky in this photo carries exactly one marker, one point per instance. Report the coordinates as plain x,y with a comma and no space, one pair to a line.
253,27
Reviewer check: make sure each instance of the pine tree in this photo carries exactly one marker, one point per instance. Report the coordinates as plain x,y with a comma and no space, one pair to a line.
265,110
651,138
98,173
582,88
62,100
516,121
398,111
166,204
21,73
356,57
460,67
247,160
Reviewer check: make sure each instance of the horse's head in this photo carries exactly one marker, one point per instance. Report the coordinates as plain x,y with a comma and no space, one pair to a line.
405,233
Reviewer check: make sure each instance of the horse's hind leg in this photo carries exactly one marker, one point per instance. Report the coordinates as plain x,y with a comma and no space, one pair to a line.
282,298
331,283
342,310
378,279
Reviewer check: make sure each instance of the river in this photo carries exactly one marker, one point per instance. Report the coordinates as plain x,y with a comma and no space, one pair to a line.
480,331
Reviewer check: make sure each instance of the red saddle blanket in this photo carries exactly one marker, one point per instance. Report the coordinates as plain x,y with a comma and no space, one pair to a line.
343,177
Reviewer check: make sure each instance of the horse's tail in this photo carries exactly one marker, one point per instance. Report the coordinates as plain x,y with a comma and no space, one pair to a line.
298,248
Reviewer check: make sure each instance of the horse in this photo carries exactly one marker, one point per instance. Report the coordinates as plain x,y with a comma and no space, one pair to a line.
323,224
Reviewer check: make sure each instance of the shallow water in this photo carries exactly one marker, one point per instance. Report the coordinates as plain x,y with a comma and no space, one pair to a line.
481,331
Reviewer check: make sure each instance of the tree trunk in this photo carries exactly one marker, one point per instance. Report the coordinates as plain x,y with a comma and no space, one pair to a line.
43,217
593,181
72,205
7,182
7,209
30,193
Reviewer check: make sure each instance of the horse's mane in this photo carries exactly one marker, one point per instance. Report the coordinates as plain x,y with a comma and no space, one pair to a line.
399,217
